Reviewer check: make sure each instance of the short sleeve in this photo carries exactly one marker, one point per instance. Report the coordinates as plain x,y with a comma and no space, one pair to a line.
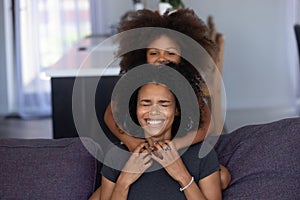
110,173
114,161
209,164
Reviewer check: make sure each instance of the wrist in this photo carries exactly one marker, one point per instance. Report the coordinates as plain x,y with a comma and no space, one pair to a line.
187,185
184,181
123,182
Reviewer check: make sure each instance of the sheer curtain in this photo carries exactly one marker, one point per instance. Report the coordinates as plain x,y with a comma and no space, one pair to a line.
44,31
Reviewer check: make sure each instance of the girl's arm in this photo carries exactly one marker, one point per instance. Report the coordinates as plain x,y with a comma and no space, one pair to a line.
194,137
96,195
130,141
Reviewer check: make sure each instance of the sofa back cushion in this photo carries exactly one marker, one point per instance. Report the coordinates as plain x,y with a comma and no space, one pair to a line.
48,168
264,160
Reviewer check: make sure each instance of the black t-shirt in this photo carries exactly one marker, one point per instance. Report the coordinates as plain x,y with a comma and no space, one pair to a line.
156,183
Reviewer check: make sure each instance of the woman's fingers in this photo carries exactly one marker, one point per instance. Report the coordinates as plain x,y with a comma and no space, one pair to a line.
140,147
165,145
165,151
139,160
170,160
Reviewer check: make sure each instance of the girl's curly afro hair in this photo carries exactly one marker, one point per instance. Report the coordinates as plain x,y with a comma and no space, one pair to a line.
183,20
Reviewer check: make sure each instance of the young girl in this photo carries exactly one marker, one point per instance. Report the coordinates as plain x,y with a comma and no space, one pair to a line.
162,47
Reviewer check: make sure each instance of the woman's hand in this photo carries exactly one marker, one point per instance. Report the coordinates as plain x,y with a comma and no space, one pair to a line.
138,163
166,154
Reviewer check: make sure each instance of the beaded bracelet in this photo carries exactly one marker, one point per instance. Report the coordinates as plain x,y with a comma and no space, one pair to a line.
188,185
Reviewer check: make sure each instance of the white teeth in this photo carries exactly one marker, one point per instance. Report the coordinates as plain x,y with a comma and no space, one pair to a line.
153,122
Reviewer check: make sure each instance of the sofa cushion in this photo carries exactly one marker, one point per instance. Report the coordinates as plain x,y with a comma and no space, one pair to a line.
48,168
264,160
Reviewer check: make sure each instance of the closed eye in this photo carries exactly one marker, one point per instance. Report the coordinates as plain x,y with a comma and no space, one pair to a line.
152,52
165,103
145,102
172,53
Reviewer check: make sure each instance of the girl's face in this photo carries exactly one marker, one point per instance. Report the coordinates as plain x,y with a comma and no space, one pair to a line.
163,50
156,109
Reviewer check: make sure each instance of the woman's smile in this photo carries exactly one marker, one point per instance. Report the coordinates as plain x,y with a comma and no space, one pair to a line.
155,122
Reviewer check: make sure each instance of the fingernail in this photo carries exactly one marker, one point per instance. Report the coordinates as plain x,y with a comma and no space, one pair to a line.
152,148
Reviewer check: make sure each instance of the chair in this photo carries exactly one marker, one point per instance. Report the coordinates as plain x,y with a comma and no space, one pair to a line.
297,34
217,117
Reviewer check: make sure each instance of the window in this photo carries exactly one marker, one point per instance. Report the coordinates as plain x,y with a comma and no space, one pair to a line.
45,30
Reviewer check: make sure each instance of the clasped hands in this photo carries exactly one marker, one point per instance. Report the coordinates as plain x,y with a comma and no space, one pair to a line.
163,152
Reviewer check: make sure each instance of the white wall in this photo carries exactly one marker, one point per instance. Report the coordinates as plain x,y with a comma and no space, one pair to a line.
260,69
117,8
256,61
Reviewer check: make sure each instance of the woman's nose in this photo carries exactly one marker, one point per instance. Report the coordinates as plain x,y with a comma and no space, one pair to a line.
155,110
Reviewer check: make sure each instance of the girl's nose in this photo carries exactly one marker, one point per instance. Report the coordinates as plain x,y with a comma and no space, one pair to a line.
162,60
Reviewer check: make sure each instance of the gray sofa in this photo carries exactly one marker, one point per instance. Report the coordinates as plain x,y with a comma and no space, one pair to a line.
48,168
264,161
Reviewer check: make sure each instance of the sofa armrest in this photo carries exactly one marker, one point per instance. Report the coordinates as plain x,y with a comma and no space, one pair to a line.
264,160
48,168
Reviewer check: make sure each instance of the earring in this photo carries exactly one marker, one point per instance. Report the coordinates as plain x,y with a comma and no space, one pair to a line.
190,124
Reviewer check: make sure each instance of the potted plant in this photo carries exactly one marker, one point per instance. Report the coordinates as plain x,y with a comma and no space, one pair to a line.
174,3
168,4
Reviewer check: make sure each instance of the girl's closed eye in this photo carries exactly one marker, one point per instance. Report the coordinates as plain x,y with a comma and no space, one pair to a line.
152,52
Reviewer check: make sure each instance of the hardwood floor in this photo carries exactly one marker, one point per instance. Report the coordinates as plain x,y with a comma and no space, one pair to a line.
28,129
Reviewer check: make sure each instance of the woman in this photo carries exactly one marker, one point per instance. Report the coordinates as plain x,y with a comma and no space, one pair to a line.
156,169
163,47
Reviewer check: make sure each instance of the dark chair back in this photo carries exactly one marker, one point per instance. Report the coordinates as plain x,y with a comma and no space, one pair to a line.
297,33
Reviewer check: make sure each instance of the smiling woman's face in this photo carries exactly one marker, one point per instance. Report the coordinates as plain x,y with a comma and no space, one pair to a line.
163,50
156,109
